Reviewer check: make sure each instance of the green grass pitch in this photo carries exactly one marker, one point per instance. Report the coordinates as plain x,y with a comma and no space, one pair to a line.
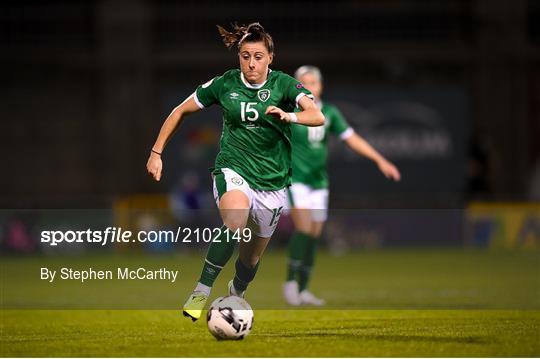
381,303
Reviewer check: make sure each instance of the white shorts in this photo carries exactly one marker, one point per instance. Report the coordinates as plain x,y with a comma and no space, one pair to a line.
306,197
265,207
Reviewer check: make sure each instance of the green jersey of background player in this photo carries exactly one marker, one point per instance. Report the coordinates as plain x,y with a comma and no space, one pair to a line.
253,166
308,194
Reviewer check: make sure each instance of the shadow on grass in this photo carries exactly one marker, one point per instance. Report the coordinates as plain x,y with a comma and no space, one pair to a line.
390,338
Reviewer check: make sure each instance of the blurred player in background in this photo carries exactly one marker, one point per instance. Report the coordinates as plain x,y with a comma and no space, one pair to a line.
308,194
253,167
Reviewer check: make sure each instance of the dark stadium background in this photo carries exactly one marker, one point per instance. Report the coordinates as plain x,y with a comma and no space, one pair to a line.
445,263
448,89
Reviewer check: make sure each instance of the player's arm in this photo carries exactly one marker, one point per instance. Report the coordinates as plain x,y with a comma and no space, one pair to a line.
170,125
309,116
363,148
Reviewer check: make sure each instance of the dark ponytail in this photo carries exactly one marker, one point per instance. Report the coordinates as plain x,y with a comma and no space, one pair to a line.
253,32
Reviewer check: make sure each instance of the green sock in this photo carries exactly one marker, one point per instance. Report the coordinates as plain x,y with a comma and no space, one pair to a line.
244,275
297,245
304,272
219,252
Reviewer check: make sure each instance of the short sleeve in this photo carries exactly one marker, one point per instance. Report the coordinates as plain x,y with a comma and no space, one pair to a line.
208,93
338,124
294,91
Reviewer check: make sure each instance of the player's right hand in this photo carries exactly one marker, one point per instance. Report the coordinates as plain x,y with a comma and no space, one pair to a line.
389,170
154,166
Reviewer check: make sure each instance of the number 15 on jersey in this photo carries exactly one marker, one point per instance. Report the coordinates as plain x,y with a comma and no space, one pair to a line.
247,112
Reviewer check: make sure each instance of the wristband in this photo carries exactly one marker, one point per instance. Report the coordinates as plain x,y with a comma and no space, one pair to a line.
293,116
156,152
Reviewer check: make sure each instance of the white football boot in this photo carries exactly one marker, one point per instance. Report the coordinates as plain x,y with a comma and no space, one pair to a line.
290,292
232,290
306,297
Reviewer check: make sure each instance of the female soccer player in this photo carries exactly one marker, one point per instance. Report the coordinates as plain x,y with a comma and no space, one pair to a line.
253,167
308,193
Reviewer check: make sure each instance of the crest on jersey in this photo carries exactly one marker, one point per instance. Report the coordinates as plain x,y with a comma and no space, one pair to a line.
237,181
263,95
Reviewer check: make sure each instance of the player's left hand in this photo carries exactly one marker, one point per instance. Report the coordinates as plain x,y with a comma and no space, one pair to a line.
278,113
389,170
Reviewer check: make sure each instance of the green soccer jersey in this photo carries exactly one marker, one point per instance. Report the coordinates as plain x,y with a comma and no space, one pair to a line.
310,147
255,145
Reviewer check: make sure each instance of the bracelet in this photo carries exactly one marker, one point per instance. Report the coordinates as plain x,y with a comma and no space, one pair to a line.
293,116
156,152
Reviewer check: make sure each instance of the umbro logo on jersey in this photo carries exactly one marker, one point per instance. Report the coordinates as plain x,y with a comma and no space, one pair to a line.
263,95
234,95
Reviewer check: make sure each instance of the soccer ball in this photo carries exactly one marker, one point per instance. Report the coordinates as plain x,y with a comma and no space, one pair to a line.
230,318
